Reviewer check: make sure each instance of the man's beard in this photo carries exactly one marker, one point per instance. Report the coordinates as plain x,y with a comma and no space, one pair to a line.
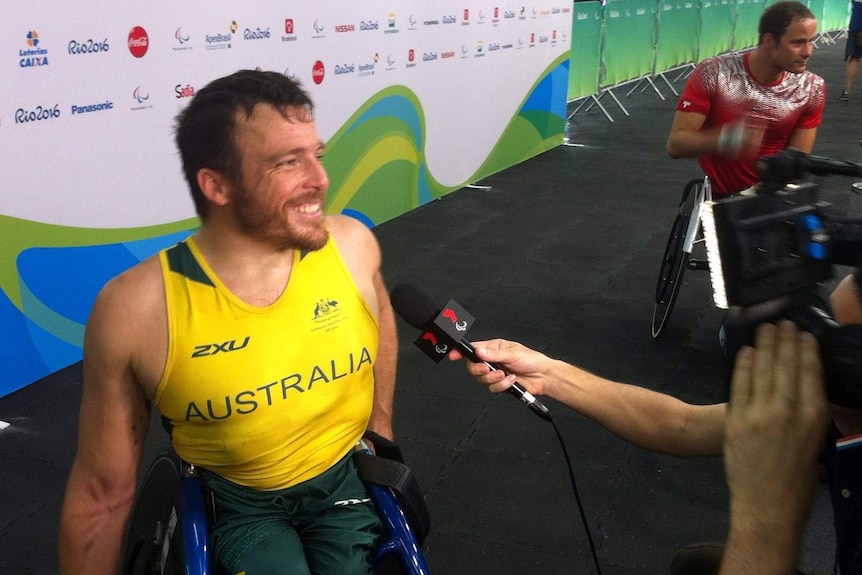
272,226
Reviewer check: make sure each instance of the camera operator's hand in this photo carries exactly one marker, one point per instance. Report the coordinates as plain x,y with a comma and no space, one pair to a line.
776,422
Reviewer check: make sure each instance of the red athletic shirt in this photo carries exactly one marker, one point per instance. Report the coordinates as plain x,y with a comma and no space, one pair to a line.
723,89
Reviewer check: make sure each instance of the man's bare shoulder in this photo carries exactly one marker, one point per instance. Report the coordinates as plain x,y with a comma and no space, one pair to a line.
135,290
345,226
357,245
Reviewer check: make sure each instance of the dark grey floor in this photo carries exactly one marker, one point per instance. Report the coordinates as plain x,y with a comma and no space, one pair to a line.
560,253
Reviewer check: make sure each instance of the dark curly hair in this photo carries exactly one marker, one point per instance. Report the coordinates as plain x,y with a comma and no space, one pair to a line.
205,129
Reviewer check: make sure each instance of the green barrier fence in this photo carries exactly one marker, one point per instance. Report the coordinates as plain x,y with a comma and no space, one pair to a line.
816,6
747,17
678,30
628,51
585,59
648,37
716,27
836,15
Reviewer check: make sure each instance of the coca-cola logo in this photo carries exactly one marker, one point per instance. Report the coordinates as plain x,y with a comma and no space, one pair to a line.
317,72
139,42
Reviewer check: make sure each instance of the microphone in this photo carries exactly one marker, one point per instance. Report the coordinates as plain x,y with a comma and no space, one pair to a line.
443,328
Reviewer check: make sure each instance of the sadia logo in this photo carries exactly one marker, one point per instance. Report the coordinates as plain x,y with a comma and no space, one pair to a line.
33,56
139,42
317,72
186,91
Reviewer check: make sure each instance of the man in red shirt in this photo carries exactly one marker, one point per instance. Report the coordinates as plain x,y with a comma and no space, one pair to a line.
736,107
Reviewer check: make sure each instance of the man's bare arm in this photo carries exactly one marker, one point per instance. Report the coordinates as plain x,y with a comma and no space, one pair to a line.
114,418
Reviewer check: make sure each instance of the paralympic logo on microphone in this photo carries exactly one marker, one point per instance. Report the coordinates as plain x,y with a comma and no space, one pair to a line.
442,333
450,314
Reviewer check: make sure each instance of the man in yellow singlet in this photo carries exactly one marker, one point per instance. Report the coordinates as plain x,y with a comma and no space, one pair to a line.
266,339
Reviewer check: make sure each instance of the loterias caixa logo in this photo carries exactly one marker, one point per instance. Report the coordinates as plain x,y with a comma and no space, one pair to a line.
35,54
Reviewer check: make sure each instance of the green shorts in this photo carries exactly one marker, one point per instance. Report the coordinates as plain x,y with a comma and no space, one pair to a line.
321,526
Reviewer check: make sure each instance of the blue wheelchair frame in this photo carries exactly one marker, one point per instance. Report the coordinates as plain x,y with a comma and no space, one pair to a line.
400,538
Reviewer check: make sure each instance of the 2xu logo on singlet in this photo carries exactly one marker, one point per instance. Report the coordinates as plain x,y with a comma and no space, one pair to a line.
214,348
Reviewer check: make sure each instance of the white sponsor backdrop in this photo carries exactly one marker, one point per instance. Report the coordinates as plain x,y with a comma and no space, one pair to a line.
91,181
117,167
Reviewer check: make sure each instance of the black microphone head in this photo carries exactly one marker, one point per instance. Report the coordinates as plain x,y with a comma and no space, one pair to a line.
413,305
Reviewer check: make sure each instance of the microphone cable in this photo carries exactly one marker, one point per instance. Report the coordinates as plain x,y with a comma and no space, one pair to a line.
577,496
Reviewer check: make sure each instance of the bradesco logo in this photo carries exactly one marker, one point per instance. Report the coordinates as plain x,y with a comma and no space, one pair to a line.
317,72
289,35
139,42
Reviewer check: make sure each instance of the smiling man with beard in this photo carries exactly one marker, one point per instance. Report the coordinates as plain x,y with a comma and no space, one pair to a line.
266,340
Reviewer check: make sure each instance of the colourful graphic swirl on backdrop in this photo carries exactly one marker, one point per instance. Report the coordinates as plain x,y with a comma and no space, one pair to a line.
50,275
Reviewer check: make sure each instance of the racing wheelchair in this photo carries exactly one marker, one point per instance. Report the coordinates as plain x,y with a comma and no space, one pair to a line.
168,531
685,235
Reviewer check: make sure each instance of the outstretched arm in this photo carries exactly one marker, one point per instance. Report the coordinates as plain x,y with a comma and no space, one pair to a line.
646,418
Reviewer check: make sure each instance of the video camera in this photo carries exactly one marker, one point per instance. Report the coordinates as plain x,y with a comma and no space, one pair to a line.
769,253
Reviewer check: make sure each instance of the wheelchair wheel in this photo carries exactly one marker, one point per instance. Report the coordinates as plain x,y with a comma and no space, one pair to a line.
154,543
674,263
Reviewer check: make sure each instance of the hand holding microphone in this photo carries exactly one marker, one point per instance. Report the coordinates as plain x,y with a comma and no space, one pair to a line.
502,363
442,330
